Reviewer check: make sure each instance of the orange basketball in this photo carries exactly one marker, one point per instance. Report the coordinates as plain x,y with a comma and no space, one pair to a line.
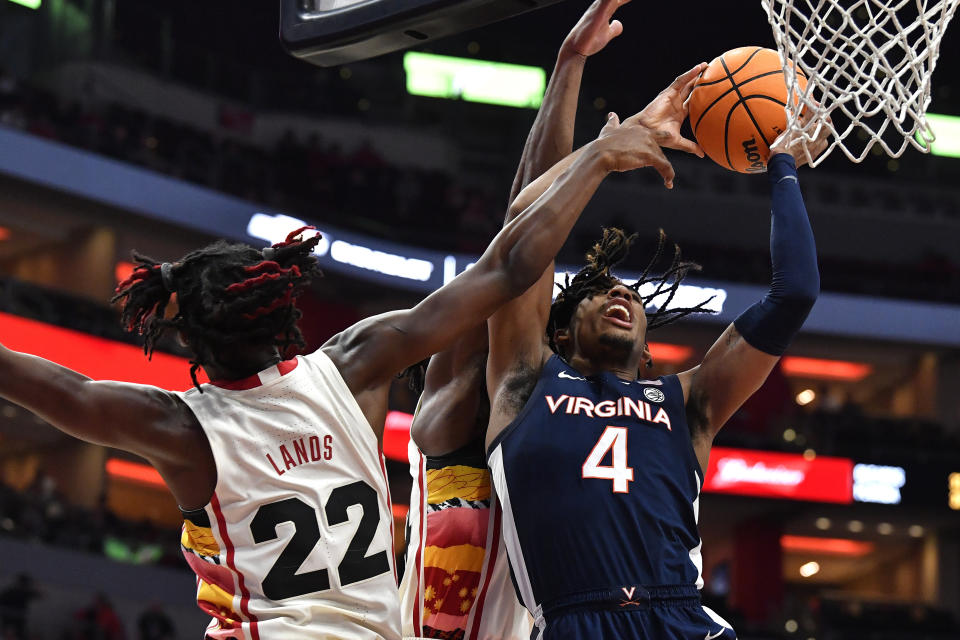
737,107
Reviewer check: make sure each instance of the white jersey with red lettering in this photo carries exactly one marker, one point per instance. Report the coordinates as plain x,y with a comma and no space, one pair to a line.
456,581
297,541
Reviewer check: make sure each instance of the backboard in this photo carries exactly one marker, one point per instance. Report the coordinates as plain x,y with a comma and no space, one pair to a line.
332,32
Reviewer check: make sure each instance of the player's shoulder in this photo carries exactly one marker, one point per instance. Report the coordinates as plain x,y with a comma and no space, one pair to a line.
553,366
669,379
687,381
665,390
320,356
167,404
325,370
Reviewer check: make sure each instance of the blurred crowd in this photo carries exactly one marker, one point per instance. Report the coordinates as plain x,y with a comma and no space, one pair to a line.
853,620
95,620
41,514
355,188
834,424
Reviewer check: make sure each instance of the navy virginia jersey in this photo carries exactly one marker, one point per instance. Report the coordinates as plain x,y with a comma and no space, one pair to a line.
600,485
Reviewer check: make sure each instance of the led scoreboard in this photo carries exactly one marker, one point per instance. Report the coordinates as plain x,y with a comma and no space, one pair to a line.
332,32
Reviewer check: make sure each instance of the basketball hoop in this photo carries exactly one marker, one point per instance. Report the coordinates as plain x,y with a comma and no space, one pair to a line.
868,64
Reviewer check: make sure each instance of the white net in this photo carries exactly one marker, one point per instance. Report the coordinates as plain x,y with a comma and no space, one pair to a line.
869,64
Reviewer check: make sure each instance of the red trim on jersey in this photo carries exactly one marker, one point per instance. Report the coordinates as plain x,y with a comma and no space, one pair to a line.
252,382
287,366
418,604
383,468
244,594
491,560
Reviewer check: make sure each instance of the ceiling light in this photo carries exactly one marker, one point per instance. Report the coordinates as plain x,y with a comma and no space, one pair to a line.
855,526
825,369
828,546
806,396
823,523
126,470
670,353
809,569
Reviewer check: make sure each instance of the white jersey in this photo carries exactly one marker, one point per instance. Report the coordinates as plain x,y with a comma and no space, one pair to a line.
456,582
297,541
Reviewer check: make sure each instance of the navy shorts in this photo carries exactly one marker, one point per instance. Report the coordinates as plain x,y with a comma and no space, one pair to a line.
661,613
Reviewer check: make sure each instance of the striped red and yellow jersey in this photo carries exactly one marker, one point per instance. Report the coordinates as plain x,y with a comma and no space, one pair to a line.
456,583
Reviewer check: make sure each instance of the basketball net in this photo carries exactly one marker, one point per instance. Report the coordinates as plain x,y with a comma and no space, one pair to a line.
868,65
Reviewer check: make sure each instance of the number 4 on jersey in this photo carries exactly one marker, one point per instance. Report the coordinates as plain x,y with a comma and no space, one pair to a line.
614,438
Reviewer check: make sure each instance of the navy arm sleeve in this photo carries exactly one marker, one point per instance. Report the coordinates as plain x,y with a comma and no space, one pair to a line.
770,324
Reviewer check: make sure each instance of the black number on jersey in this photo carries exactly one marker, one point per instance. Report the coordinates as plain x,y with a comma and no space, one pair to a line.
356,564
283,581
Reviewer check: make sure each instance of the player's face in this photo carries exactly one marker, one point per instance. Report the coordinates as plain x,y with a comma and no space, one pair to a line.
614,320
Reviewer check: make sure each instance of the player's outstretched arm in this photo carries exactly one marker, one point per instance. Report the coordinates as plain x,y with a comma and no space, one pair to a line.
144,420
739,362
448,415
663,115
450,411
372,351
551,138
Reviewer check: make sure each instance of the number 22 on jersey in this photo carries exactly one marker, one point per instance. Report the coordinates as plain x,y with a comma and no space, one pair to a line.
612,439
283,580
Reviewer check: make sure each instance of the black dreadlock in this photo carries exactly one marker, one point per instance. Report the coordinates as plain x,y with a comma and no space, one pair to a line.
596,278
227,294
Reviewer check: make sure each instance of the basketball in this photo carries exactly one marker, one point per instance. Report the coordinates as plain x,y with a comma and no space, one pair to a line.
737,108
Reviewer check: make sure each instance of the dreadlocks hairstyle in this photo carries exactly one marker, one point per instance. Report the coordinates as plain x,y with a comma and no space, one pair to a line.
596,278
227,294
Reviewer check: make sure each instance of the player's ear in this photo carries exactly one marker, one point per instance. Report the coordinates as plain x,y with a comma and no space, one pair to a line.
647,357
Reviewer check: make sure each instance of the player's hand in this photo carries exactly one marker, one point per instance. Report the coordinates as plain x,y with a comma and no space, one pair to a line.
630,145
669,109
792,142
594,29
